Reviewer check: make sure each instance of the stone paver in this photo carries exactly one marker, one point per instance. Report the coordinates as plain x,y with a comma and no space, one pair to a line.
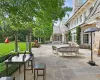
64,68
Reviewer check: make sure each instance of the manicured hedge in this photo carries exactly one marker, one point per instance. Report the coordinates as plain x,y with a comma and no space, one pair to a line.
11,70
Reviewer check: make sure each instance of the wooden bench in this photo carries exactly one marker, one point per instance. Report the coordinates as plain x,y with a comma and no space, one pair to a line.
68,49
37,67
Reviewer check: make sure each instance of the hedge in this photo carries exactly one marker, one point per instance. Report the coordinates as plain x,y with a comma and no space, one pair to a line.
11,70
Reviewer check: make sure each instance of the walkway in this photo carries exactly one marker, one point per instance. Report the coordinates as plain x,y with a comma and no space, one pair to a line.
64,68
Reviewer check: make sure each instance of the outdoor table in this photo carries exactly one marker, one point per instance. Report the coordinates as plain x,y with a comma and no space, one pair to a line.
7,78
19,60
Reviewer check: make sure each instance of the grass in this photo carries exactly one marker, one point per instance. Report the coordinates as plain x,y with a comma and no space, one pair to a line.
6,48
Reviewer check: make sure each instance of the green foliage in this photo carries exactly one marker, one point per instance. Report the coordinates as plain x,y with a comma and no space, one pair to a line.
21,13
11,70
78,34
69,36
1,37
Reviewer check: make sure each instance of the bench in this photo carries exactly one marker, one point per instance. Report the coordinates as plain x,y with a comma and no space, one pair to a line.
68,49
37,67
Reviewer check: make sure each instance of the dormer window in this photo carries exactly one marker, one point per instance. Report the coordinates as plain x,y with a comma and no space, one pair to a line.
91,8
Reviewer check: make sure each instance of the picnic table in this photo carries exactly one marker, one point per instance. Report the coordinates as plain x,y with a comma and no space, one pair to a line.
20,59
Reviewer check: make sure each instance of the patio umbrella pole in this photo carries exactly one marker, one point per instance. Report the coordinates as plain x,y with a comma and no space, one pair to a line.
90,30
91,62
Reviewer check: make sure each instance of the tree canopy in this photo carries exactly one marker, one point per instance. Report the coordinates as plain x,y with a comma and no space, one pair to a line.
28,14
25,10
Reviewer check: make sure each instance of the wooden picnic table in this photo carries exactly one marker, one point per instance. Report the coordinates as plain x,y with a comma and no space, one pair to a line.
20,60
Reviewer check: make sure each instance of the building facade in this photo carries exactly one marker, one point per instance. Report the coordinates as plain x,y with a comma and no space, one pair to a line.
84,15
94,19
80,14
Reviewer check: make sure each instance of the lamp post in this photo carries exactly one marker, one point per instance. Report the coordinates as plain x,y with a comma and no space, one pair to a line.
90,30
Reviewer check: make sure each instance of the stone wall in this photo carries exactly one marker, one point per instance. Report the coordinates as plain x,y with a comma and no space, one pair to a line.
97,35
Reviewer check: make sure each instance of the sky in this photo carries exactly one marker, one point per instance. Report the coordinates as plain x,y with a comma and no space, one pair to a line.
68,3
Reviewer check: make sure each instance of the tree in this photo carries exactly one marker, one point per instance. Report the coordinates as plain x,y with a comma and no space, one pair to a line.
22,12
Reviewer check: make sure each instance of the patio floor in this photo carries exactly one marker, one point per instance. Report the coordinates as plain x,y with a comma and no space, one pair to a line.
64,68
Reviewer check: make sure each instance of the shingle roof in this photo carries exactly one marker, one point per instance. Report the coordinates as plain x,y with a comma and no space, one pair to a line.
61,28
56,30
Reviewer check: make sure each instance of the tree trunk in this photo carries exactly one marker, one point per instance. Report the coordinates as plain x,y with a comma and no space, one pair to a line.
40,40
30,42
27,44
16,43
44,39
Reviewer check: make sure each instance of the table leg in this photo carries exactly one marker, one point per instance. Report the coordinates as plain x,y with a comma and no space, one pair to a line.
6,69
34,74
37,72
28,63
19,68
43,74
32,65
24,71
14,78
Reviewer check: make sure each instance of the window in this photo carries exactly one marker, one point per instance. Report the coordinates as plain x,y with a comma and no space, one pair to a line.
74,22
74,37
91,8
77,20
81,18
85,38
84,15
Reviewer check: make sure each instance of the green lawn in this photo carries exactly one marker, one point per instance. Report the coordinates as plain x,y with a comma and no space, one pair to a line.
6,48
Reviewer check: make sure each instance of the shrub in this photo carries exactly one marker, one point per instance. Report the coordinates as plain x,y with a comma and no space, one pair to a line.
12,67
69,36
78,30
11,70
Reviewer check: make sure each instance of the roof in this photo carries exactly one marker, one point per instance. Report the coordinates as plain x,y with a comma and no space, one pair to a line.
95,11
63,28
56,30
